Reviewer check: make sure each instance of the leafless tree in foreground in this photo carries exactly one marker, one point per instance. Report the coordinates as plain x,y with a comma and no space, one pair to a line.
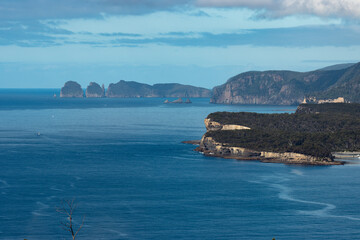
67,208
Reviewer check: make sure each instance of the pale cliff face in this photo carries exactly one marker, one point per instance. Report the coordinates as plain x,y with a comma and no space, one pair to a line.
210,147
214,126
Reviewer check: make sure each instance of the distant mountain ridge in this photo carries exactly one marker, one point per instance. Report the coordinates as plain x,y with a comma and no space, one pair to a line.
337,67
131,89
290,88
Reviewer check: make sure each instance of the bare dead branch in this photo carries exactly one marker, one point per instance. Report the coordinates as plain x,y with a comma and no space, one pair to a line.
67,208
82,224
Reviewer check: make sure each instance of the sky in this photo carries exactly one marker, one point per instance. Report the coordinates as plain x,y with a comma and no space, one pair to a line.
44,43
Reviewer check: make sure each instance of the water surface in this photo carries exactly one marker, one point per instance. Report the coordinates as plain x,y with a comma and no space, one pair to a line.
124,163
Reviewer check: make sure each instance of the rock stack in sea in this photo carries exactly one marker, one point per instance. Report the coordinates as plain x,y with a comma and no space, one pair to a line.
71,89
95,91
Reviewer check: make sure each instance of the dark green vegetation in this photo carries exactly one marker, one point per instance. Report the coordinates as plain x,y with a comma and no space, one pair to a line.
316,130
288,87
339,108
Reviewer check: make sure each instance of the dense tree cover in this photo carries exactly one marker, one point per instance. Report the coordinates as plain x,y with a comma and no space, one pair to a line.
316,119
326,128
352,109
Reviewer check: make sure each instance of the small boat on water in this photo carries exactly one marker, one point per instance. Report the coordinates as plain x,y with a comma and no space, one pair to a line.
188,101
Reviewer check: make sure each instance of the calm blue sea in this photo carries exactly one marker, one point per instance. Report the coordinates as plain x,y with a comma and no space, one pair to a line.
123,162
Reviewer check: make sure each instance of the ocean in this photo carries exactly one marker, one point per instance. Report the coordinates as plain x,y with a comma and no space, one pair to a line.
123,163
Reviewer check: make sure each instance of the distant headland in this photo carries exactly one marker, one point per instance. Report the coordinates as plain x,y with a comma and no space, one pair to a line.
337,83
130,89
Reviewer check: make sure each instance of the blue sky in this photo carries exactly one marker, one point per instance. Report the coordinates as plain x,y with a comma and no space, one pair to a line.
44,43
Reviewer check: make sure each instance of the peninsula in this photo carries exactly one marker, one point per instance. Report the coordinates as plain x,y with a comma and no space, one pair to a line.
308,137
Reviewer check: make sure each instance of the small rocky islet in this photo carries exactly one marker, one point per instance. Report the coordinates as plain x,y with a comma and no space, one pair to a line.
71,89
95,91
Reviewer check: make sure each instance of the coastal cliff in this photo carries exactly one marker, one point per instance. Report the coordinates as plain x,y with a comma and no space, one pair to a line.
291,88
71,89
210,147
310,136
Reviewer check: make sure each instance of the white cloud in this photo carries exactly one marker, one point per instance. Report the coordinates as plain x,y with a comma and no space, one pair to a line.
279,8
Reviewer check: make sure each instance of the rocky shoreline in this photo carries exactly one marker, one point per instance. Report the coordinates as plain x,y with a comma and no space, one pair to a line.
209,147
